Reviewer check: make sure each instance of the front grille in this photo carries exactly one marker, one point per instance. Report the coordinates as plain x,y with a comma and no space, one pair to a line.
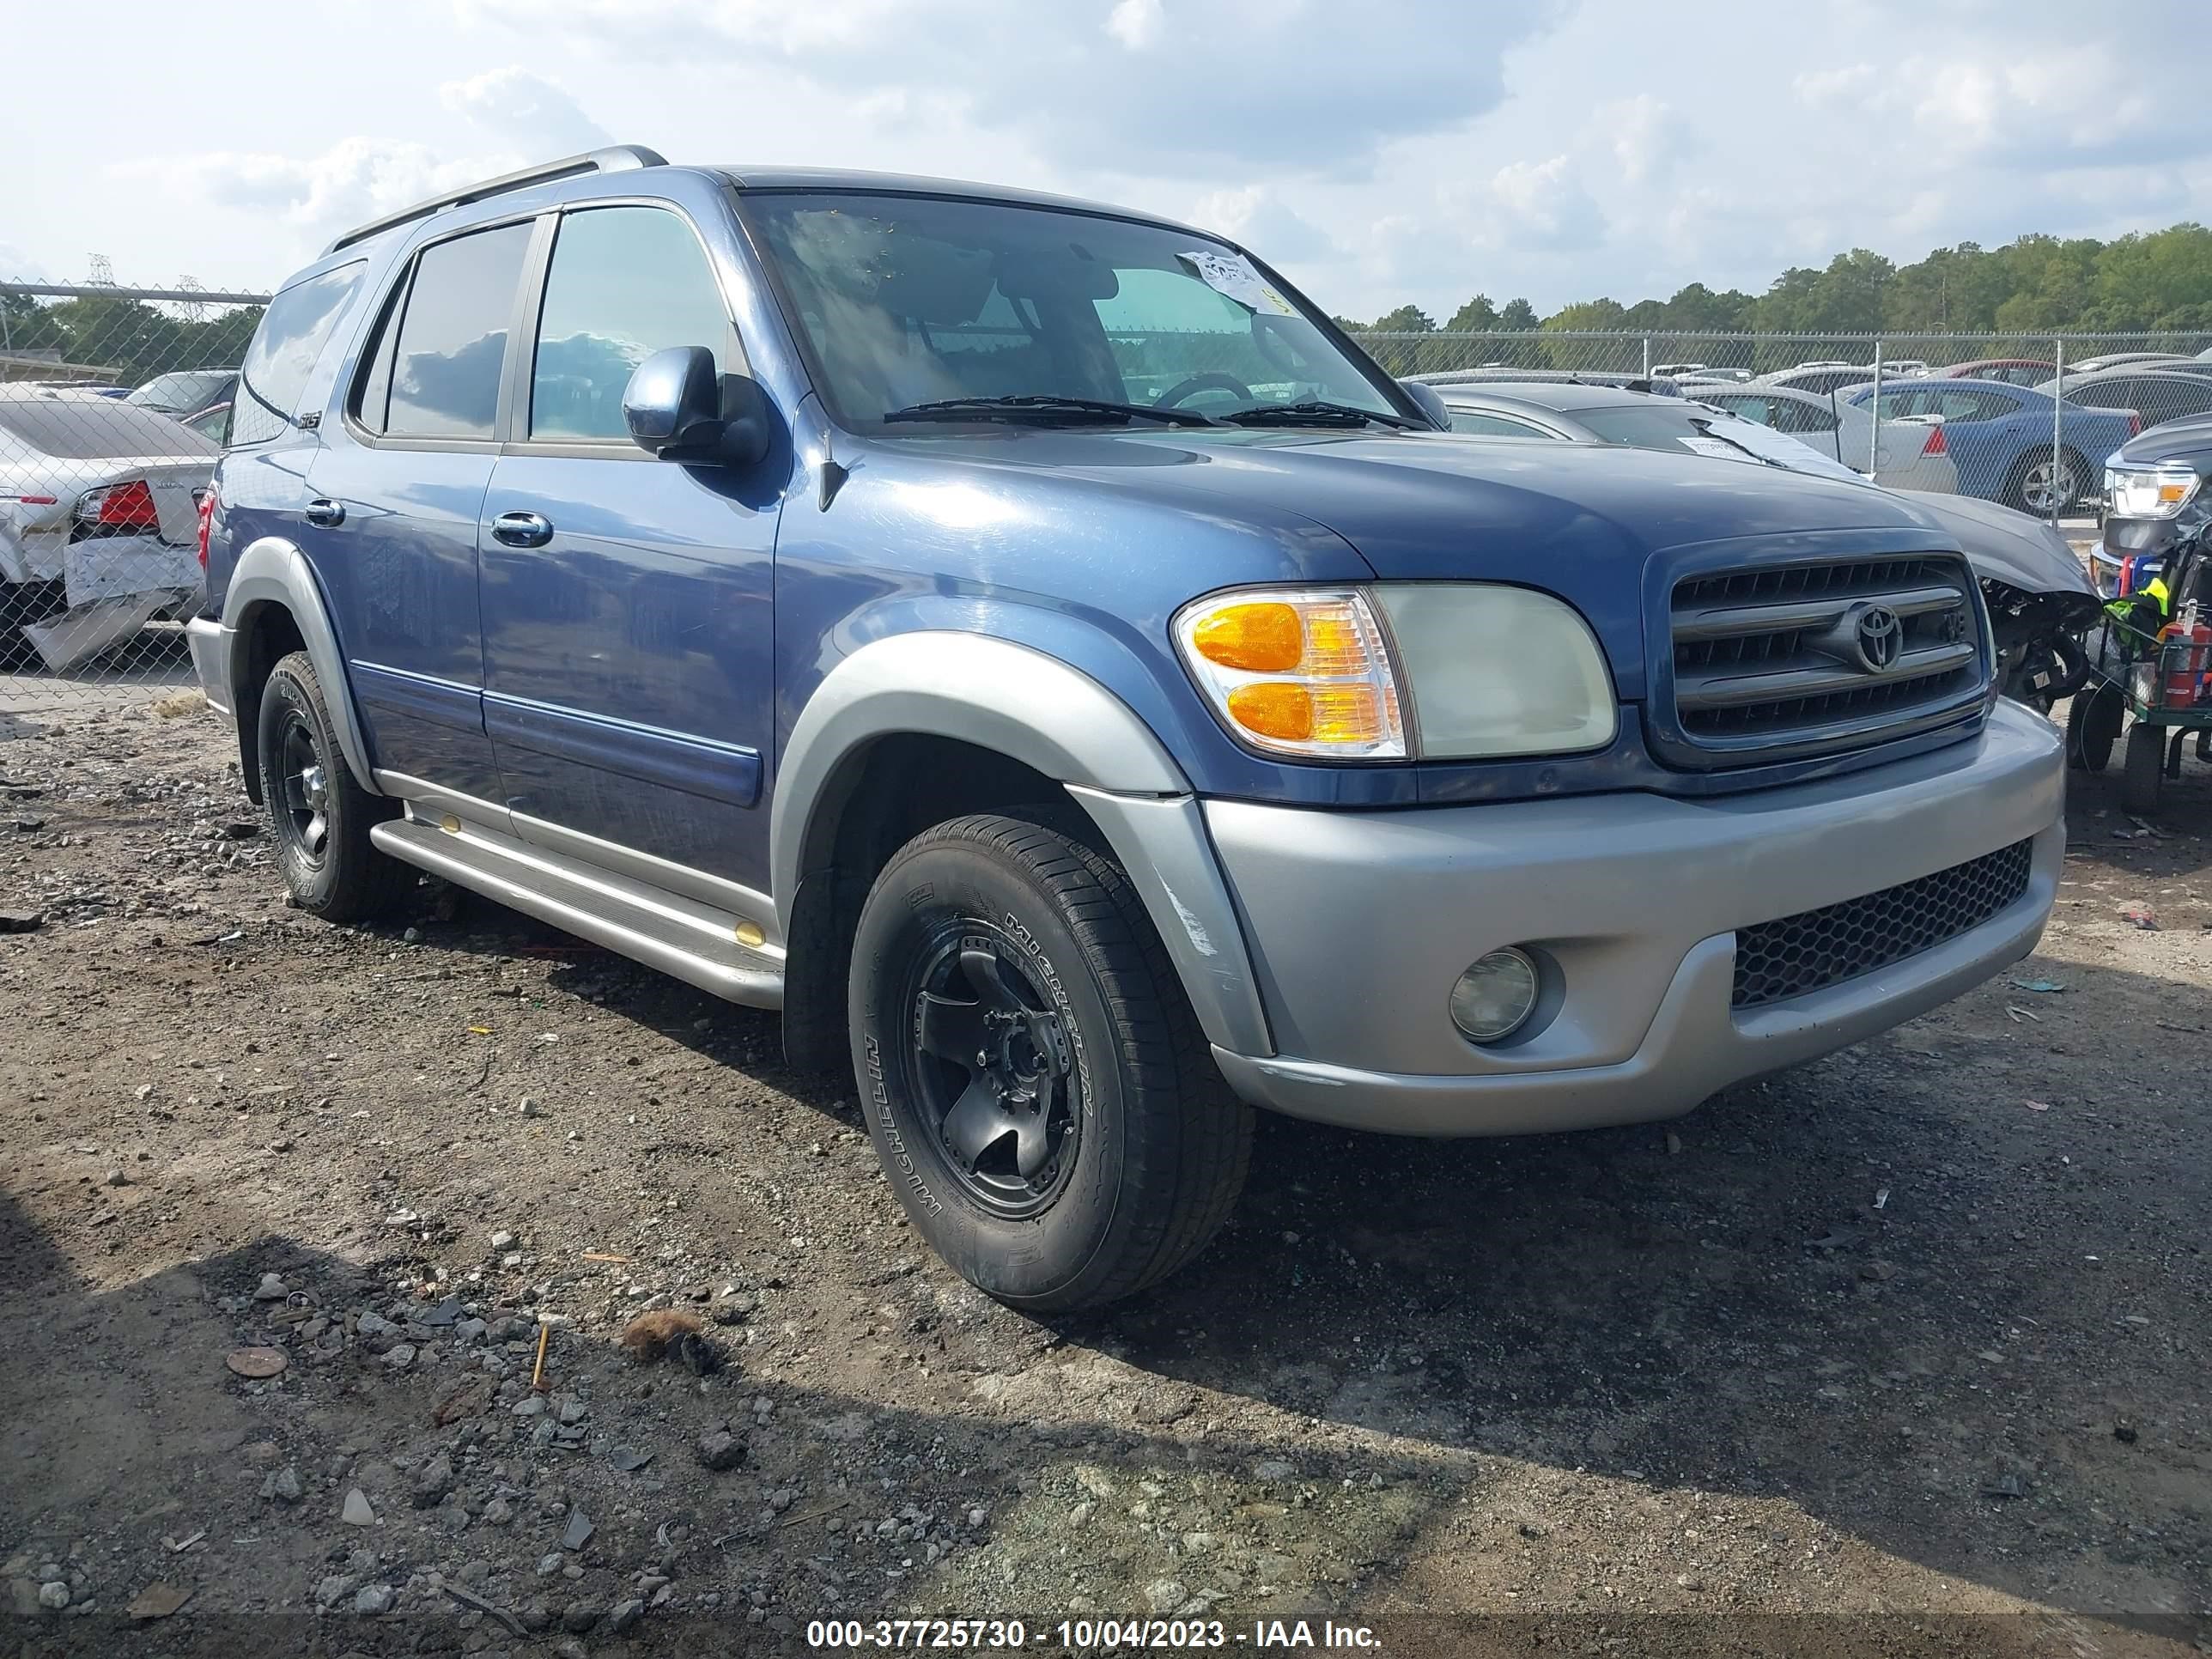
1795,658
1814,949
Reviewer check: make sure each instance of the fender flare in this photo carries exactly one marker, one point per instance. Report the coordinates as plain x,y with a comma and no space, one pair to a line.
1032,708
273,571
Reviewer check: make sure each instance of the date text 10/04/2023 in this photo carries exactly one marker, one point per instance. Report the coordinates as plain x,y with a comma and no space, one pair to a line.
1086,1635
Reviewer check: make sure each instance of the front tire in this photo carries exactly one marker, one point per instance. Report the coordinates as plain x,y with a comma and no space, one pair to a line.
1033,1076
2093,726
319,817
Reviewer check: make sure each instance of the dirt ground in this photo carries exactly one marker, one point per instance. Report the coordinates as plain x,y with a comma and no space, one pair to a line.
1904,1352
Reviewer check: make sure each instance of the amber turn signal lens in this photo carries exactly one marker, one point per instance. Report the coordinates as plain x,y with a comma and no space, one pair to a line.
1262,638
1274,708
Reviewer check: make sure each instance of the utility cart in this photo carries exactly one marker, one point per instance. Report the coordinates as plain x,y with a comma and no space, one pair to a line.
2156,685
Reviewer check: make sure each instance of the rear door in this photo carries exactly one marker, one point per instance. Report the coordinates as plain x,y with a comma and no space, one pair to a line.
626,599
396,497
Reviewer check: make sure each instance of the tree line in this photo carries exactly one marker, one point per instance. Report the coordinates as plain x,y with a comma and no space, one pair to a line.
111,338
2157,281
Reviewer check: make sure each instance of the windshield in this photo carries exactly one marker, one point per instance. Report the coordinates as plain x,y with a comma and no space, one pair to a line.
907,302
181,393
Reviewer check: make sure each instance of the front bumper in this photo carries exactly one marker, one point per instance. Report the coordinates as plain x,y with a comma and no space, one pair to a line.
1360,923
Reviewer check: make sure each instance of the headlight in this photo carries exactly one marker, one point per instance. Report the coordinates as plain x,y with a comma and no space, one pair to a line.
1497,671
1296,670
2150,492
1492,672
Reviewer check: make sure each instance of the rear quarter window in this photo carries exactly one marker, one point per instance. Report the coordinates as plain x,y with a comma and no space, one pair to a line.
286,348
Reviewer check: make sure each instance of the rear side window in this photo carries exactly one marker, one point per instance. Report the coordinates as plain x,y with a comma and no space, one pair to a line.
453,335
285,348
81,428
625,282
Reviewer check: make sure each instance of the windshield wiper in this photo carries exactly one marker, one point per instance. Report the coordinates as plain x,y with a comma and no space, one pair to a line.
1064,410
1317,411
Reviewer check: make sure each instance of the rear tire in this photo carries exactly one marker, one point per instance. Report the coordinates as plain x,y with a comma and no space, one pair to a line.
1034,1078
2028,487
2092,727
319,817
2144,780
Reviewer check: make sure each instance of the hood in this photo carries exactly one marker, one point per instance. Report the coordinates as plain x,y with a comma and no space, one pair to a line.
1582,521
2007,546
2189,439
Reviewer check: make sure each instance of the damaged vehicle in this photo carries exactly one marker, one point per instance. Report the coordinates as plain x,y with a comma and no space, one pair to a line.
2040,599
1029,647
99,523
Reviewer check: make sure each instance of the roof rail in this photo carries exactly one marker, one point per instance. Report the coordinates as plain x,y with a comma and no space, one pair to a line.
616,158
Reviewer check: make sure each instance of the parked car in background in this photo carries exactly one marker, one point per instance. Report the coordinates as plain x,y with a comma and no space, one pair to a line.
212,424
2013,371
1664,387
1714,377
1082,741
1908,454
1904,367
1999,439
187,391
1676,371
2106,359
1818,377
2154,496
2158,394
99,522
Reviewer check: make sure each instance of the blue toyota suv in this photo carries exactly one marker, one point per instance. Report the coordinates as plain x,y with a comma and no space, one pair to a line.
1029,645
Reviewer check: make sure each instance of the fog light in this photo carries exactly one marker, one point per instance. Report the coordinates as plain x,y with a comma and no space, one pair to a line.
1494,998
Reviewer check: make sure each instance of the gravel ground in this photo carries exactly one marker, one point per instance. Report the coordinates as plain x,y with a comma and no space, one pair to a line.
1903,1352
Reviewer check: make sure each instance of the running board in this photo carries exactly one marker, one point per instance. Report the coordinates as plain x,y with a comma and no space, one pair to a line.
695,942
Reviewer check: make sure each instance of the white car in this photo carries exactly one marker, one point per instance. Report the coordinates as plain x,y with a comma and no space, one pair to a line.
1906,455
1802,433
99,522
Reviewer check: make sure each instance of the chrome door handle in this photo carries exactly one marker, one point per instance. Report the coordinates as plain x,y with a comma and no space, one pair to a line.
522,529
324,511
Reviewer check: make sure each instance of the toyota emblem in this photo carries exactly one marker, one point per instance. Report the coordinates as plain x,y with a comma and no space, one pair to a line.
1879,637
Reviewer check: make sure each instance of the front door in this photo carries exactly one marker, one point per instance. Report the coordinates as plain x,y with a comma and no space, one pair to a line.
628,675
396,494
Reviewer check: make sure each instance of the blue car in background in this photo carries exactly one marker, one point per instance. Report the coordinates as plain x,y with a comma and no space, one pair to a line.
1999,438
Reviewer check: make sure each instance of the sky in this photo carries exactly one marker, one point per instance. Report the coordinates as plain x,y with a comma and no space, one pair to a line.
1378,152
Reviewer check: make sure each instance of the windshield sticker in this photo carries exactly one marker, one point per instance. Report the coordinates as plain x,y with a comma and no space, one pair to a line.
1720,447
1232,276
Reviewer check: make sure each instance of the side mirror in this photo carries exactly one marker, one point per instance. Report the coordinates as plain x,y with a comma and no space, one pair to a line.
677,408
1432,404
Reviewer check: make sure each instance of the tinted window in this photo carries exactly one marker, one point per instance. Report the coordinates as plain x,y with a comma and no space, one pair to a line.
452,340
80,428
2105,394
625,282
1788,415
285,351
2165,400
1493,425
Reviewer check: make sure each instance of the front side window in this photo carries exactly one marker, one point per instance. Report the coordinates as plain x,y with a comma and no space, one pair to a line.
285,351
453,336
911,301
625,282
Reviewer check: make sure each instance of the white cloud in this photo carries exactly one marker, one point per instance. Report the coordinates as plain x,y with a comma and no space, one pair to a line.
1259,218
527,111
1650,138
1137,24
1541,204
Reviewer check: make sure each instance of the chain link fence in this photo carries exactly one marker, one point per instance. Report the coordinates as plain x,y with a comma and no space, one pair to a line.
2024,419
114,402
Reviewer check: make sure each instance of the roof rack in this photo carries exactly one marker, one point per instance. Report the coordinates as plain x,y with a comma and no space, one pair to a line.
616,158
